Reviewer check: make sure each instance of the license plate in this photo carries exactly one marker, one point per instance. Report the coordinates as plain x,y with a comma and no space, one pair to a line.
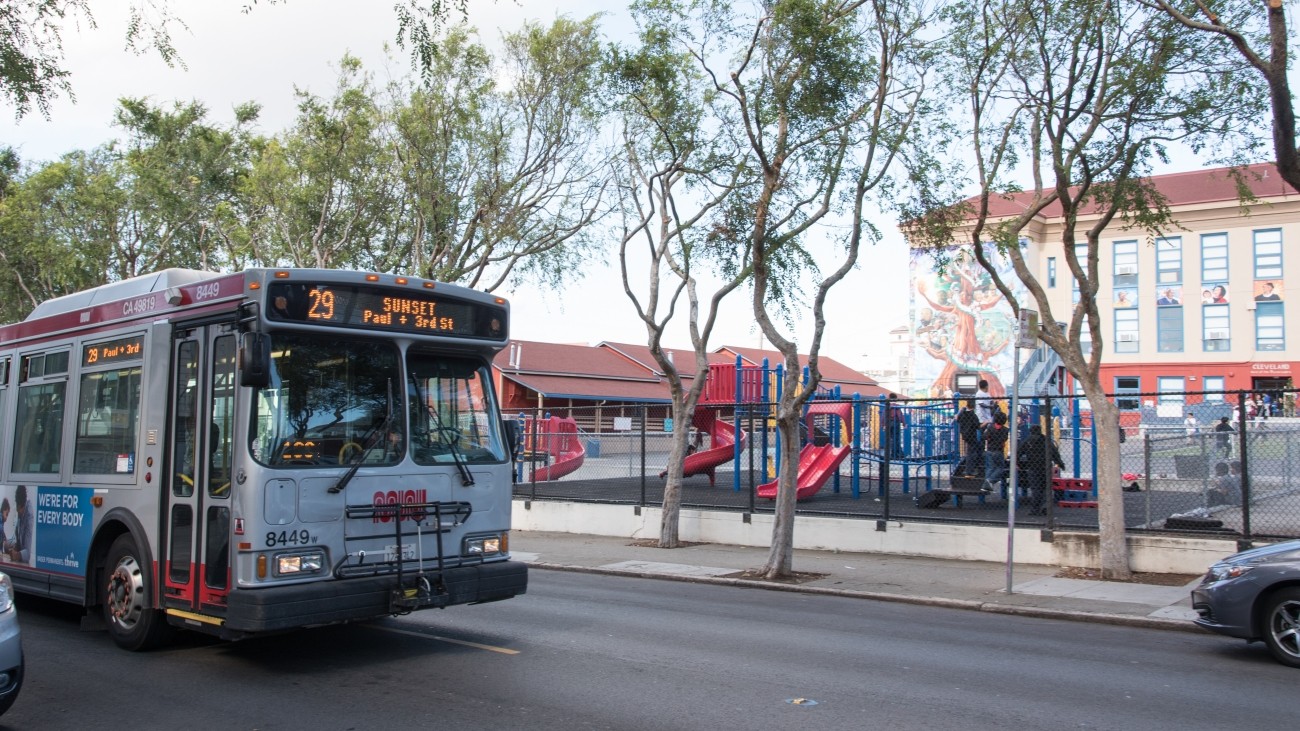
408,552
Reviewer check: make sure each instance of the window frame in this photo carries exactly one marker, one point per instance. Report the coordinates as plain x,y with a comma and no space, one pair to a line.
1270,310
1214,248
1215,318
1263,263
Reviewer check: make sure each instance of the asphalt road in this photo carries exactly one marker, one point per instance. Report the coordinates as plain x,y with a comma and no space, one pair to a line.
600,652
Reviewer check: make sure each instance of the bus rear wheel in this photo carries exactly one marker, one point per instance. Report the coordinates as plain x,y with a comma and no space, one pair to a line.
132,622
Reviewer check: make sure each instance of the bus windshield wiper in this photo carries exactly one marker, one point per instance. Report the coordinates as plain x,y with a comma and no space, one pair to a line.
369,441
450,434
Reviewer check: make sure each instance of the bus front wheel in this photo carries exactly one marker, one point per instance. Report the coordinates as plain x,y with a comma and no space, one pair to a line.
132,622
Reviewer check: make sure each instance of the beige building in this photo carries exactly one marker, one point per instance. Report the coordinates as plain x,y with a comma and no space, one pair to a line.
1202,307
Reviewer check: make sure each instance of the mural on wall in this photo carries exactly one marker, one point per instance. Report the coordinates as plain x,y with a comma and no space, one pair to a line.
1268,290
960,323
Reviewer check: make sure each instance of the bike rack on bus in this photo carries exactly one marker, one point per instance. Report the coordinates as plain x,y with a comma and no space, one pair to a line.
404,598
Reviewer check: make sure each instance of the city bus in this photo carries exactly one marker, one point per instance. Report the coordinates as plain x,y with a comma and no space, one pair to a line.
253,452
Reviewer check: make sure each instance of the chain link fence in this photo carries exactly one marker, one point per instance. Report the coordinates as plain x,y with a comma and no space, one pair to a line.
906,460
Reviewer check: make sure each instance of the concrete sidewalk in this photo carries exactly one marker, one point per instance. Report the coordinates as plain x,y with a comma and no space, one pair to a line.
974,585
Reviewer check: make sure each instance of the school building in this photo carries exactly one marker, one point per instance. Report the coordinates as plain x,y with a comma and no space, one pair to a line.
1201,308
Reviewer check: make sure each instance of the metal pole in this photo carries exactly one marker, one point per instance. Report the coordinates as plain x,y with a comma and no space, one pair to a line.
1011,491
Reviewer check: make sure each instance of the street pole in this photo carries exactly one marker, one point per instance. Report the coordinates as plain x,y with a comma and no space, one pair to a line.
1026,337
1011,491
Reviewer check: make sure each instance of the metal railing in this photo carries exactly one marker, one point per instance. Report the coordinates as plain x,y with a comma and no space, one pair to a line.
1175,479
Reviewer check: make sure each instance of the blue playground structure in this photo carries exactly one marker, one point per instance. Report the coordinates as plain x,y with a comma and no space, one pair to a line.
884,439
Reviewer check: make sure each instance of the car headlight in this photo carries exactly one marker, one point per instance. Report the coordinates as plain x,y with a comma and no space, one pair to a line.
287,564
484,545
1223,572
6,593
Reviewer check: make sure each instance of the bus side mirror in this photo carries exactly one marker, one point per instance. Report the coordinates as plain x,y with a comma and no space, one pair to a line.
514,436
254,360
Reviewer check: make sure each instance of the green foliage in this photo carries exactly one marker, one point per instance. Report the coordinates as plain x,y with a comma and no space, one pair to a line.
31,50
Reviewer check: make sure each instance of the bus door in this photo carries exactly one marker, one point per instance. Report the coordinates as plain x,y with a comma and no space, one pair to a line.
196,570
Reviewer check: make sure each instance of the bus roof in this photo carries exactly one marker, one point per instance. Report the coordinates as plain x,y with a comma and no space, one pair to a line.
145,284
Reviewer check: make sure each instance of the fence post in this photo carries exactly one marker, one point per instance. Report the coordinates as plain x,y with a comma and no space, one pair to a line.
1242,441
1146,472
645,410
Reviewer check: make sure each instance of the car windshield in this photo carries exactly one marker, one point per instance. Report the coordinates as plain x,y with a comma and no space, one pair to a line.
453,417
329,402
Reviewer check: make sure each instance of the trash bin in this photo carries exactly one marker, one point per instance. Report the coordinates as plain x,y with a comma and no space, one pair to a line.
593,447
1191,466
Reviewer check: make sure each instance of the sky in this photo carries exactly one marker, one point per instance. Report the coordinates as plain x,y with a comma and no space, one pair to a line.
231,57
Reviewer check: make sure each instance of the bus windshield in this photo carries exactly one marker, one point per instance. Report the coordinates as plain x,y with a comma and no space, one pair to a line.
330,402
453,417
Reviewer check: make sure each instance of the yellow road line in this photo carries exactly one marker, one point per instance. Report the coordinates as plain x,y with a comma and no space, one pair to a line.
476,645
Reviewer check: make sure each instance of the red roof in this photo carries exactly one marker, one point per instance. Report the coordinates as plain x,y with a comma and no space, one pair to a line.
834,373
579,372
625,372
683,358
1210,185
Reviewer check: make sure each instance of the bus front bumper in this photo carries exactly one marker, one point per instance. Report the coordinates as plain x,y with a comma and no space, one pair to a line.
274,609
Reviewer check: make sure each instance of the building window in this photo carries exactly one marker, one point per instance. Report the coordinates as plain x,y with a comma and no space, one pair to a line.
1169,329
1216,328
1169,260
1051,271
1171,389
1128,385
1270,331
1085,340
1126,331
1214,383
1268,253
1214,258
1126,263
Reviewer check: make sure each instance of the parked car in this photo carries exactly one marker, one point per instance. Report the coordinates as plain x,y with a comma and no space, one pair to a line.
11,647
1255,595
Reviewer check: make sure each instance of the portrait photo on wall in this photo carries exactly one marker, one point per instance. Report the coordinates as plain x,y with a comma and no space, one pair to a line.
1126,297
1214,294
1167,296
1268,290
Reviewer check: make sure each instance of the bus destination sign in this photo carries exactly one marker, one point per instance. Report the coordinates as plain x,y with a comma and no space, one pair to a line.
113,351
382,309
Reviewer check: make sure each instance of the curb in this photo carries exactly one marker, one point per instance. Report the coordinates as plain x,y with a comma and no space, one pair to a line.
1123,620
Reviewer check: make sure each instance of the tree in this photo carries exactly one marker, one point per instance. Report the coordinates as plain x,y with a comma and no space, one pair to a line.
32,36
825,95
181,179
1257,31
166,195
57,229
498,159
321,192
679,165
1083,94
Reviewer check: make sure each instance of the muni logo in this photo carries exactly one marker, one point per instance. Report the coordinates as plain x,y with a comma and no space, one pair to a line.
400,497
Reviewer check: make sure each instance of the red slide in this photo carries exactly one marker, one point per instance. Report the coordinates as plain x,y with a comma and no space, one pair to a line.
722,440
816,465
558,437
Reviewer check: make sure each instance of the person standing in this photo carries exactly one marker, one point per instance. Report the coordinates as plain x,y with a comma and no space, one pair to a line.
968,427
1222,438
897,419
995,446
984,404
1034,459
1192,427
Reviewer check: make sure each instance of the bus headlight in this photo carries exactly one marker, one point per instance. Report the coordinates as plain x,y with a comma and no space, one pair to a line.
484,545
288,564
6,593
